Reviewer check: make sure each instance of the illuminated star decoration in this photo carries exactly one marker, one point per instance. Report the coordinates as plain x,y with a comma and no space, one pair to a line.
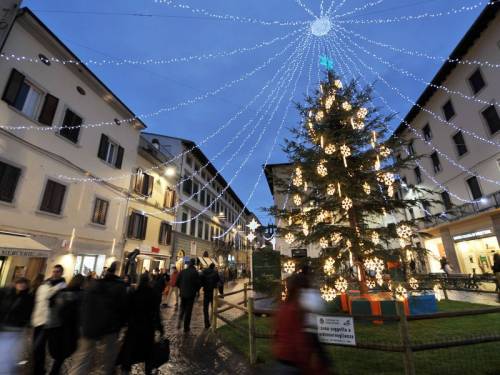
253,225
326,62
251,237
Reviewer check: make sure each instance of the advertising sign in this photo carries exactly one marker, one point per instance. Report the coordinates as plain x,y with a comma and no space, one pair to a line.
336,330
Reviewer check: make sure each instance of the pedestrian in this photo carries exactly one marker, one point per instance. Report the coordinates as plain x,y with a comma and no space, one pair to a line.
445,266
16,305
496,270
40,316
143,319
172,287
39,279
160,282
221,283
64,322
188,283
209,281
103,314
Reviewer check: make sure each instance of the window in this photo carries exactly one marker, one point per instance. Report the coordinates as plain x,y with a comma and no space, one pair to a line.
187,185
9,177
202,197
165,234
445,197
474,187
426,130
207,228
71,126
169,201
195,190
418,175
110,152
192,227
436,164
26,97
189,160
410,148
100,211
143,183
53,197
492,119
200,229
212,233
184,224
85,264
459,140
137,225
448,110
476,81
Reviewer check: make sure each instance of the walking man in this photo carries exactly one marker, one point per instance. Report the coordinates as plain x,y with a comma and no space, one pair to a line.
40,316
209,281
173,289
188,282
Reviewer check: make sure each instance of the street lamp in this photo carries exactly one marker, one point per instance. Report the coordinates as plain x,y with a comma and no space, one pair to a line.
170,171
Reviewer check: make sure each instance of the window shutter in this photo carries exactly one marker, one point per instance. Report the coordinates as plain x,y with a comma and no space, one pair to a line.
14,84
150,185
131,222
71,119
48,110
103,147
139,177
169,234
144,227
9,177
119,157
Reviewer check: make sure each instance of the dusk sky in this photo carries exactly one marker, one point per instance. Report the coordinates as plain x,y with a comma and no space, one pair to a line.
143,29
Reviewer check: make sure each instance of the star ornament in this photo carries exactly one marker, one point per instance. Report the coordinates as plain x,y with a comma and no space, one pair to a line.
253,225
251,237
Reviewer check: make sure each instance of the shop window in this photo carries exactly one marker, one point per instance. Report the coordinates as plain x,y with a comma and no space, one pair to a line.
459,140
445,197
110,152
165,234
436,163
492,119
476,81
100,211
426,130
85,264
448,110
70,128
137,226
170,196
418,175
9,177
143,183
474,188
53,197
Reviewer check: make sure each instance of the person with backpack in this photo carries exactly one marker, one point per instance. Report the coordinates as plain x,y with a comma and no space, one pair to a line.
103,315
188,283
209,281
63,325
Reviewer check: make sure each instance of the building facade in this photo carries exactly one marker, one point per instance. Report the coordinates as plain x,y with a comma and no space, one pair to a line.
53,206
460,138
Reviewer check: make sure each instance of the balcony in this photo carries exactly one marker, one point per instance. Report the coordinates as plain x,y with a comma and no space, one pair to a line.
486,203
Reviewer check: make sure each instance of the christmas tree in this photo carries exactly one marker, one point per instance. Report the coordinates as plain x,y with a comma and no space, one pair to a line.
345,192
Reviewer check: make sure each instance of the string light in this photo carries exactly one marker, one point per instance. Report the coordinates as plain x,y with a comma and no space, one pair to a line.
329,102
367,189
323,242
346,106
297,200
321,168
289,267
320,116
329,267
330,149
328,293
347,203
357,124
374,264
346,152
341,284
358,9
330,190
289,238
384,151
404,231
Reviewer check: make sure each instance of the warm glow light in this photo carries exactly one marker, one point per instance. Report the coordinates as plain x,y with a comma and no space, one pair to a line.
170,171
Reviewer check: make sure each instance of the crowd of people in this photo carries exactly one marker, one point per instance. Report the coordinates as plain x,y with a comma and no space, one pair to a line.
109,314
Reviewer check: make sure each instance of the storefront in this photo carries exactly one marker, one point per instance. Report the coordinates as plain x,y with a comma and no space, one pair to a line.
21,256
151,259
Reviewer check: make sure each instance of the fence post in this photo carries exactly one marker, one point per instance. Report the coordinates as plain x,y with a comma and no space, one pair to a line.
252,348
215,306
405,339
245,286
443,286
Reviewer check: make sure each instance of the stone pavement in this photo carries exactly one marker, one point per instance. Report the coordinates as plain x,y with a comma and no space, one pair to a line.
474,297
199,352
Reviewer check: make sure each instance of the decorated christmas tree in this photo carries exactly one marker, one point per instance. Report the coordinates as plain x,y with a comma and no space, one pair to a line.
345,193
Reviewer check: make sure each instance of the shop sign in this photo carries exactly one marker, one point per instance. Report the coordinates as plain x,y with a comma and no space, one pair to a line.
299,253
23,253
473,235
155,250
336,330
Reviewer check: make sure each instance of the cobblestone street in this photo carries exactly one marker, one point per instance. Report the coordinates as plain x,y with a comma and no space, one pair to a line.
198,352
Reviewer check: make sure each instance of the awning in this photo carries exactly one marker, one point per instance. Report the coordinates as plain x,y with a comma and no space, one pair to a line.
206,261
21,246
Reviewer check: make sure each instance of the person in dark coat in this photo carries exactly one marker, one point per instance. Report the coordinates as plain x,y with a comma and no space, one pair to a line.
209,281
143,318
63,325
16,304
103,314
188,283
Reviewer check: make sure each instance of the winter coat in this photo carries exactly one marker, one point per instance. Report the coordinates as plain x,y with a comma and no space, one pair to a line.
15,308
64,321
173,278
209,280
143,319
188,282
41,312
104,307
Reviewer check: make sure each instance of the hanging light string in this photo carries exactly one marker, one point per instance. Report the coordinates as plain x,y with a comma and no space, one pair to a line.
229,17
418,79
164,109
308,11
285,115
176,157
337,8
358,9
270,102
436,182
416,133
425,55
245,161
311,63
465,8
433,114
330,8
164,61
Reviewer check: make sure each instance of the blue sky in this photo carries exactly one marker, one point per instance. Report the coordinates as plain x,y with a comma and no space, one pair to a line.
96,29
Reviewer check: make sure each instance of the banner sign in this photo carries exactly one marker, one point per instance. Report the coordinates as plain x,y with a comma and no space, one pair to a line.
336,330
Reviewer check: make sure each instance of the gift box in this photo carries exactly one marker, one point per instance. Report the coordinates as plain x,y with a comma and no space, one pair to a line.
422,304
376,304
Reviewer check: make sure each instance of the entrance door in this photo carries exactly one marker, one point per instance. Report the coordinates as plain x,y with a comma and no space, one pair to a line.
34,267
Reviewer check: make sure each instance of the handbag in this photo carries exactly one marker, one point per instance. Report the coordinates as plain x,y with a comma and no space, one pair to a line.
160,353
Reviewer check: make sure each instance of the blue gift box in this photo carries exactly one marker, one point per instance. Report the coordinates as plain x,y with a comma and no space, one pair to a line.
422,304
